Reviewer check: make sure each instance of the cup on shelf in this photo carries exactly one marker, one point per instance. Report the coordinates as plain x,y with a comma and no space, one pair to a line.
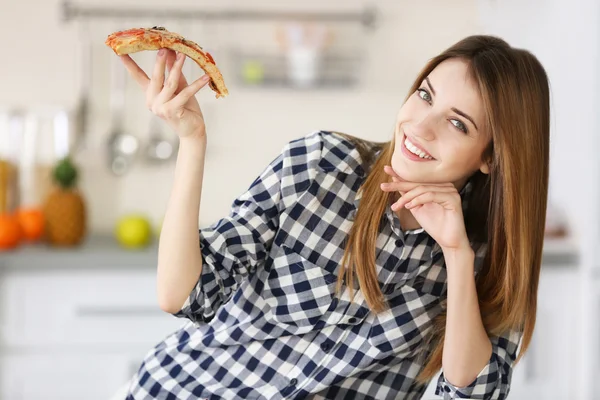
303,45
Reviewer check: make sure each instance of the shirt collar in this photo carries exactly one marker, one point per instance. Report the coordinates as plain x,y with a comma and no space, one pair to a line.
336,158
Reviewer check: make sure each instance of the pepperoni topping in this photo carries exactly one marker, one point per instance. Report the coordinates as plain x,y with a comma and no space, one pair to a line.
132,32
209,58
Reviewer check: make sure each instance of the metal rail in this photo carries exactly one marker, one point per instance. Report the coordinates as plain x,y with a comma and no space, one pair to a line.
367,17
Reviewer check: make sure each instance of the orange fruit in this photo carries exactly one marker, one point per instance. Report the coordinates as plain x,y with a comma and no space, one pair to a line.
10,231
32,223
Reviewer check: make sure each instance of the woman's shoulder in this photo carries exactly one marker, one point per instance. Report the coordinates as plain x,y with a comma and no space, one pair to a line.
331,151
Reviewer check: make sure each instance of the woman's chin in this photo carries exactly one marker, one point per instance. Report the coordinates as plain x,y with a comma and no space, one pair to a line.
400,168
407,172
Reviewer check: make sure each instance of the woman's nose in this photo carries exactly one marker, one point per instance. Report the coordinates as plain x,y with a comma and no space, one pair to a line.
425,128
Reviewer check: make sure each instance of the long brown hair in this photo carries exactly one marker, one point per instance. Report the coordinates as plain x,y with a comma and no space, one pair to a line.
515,92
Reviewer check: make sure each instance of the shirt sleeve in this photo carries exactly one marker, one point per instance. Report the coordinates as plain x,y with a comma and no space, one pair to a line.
493,382
233,246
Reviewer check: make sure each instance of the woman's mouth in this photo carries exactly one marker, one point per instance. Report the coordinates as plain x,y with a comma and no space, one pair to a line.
412,152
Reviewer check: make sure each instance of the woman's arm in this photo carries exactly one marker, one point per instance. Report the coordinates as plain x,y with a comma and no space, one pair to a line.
179,258
467,348
173,100
474,365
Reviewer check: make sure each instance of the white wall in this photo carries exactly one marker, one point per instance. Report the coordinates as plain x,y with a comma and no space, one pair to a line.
565,36
248,128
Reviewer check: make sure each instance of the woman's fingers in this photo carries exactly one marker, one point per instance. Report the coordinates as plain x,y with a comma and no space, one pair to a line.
171,55
423,195
447,200
158,77
410,194
404,186
172,82
398,186
135,71
414,187
179,101
170,61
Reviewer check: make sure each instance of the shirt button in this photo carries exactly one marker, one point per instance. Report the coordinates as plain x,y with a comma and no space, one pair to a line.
399,243
352,320
293,382
325,346
352,215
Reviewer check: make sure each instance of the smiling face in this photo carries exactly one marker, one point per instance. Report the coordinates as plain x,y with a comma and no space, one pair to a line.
443,122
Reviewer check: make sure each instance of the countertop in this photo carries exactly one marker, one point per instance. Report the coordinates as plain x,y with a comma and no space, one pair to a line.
97,251
104,252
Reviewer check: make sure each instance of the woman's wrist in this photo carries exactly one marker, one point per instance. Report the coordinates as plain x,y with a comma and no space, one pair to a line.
459,258
463,249
195,141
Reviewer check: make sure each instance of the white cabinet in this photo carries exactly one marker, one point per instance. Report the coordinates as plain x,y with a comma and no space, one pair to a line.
86,375
78,307
76,333
548,371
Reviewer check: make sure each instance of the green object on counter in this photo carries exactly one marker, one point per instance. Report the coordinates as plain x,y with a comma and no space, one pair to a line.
65,173
253,72
133,231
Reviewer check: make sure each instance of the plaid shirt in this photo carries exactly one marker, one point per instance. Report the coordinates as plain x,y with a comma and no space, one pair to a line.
263,322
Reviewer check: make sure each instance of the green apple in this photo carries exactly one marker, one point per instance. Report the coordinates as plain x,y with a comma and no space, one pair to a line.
253,71
133,231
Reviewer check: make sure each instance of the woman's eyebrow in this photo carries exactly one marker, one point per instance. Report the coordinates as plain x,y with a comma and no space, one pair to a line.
430,86
456,110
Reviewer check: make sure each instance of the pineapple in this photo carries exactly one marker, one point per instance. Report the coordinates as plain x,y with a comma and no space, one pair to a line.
65,209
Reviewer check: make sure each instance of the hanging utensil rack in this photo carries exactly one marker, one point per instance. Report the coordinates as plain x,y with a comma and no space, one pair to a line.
367,17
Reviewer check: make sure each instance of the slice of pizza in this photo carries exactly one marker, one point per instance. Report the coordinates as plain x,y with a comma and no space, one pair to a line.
157,37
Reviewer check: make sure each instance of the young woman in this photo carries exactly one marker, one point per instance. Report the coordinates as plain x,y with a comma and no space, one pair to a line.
357,270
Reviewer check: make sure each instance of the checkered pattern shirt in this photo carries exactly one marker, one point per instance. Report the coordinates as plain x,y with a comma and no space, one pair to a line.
263,321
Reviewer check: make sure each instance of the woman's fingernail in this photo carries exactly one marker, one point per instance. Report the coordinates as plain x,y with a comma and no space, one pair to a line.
180,56
161,52
205,78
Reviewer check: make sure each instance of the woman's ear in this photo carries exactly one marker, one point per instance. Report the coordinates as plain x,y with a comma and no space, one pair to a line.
487,159
485,168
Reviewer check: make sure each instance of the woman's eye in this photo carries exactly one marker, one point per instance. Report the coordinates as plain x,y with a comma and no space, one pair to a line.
459,125
424,94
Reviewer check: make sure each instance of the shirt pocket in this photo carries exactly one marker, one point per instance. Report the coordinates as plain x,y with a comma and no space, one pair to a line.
301,295
400,329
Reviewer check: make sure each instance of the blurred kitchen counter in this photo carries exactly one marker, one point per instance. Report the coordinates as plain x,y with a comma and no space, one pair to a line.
104,252
98,251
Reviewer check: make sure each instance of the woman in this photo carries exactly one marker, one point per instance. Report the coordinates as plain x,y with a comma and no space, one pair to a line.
439,231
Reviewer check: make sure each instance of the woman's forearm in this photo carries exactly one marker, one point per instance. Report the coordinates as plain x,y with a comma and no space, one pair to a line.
467,348
179,257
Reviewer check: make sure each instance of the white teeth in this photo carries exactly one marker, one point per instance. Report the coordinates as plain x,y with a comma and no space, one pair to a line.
413,149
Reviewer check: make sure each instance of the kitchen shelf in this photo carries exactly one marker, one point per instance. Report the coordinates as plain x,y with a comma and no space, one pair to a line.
336,71
367,17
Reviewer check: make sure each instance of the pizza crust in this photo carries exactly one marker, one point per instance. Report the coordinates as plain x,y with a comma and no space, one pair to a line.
140,39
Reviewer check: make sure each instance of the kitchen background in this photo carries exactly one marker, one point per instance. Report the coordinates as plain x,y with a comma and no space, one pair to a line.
76,320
